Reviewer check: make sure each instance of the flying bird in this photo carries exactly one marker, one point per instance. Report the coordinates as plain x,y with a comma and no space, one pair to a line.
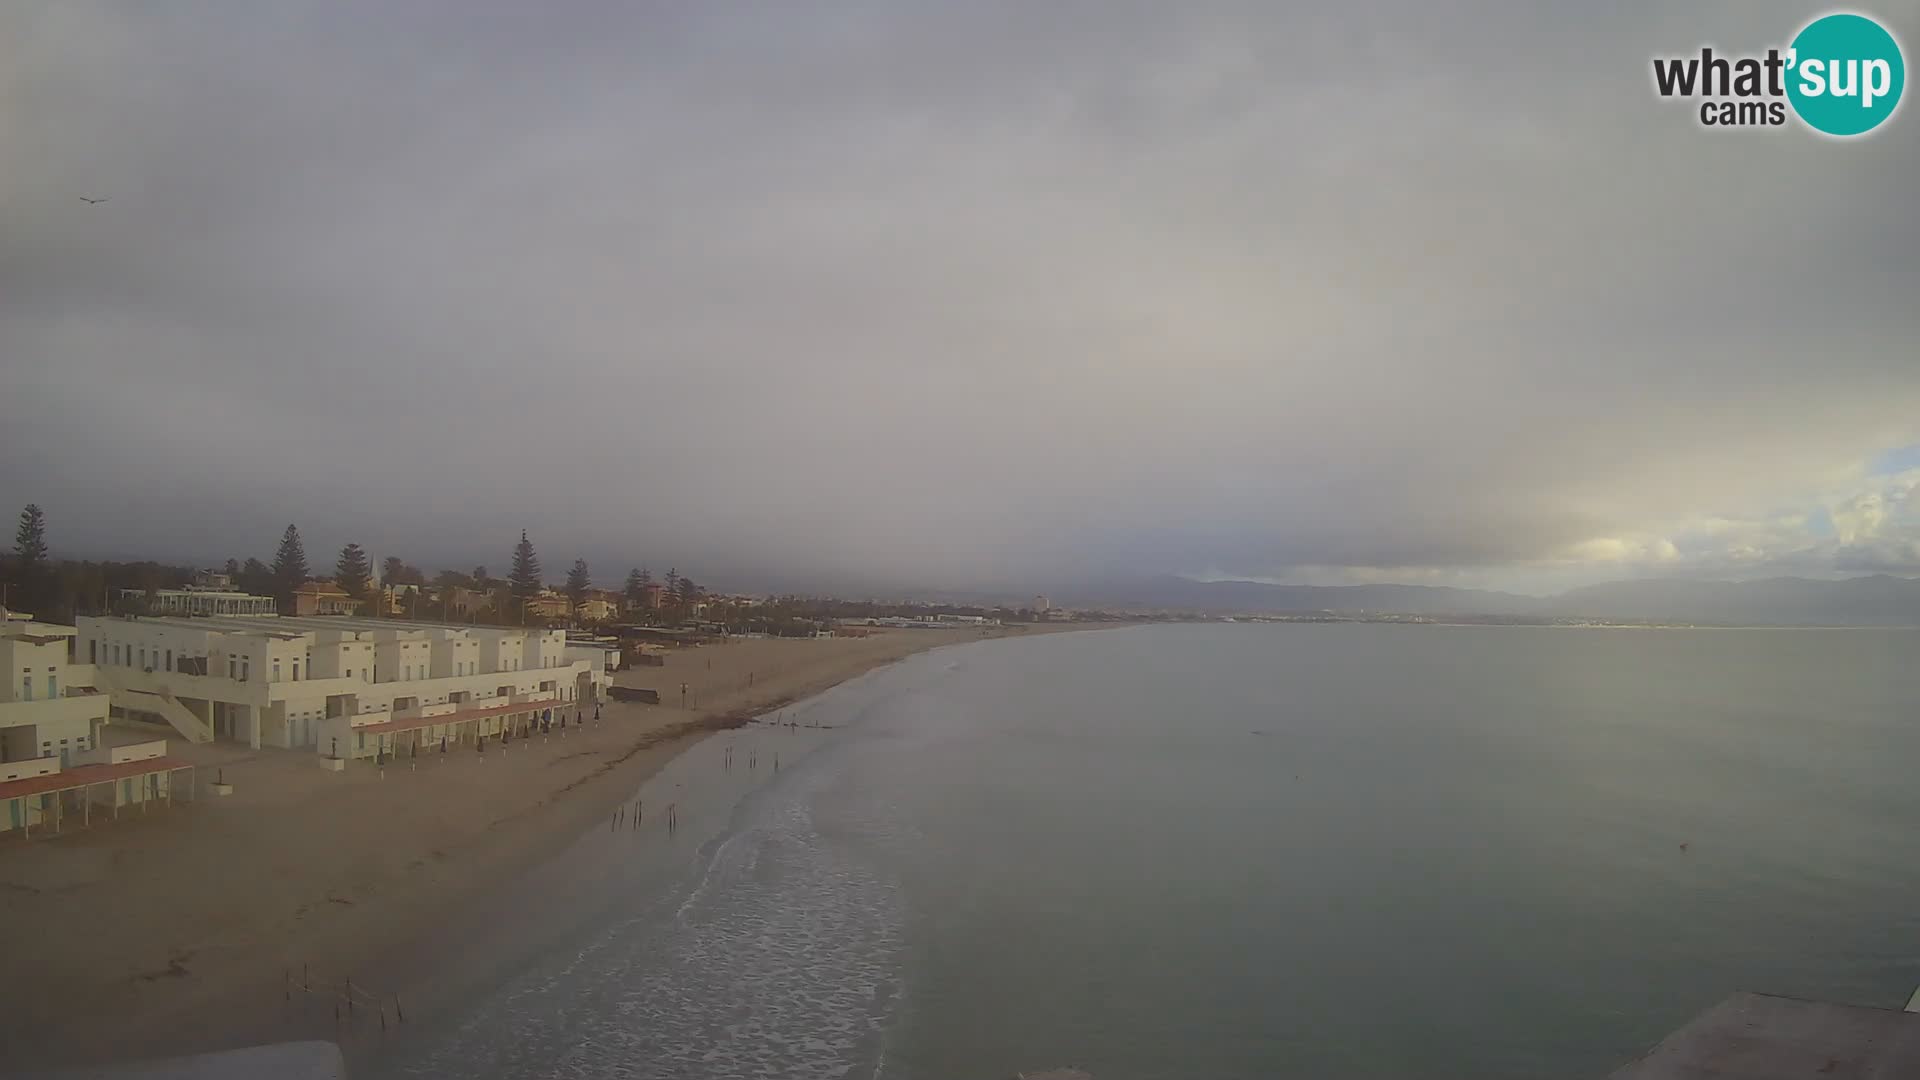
84,199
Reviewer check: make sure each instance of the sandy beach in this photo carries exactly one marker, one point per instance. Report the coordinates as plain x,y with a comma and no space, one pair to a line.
171,931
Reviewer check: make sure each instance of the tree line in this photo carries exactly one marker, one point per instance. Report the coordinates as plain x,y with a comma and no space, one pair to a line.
32,580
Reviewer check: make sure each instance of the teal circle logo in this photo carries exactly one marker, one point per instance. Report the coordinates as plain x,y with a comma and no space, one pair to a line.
1845,74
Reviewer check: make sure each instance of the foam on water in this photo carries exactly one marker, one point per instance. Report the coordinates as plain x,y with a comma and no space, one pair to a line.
780,959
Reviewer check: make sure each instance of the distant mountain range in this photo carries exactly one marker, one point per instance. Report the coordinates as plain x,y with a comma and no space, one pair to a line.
1878,600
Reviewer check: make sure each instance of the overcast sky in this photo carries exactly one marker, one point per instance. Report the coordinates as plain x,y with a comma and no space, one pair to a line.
970,295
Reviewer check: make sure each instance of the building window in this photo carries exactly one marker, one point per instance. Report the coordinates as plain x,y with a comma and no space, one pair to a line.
276,669
233,667
26,688
53,686
143,657
349,673
93,651
296,669
245,663
169,659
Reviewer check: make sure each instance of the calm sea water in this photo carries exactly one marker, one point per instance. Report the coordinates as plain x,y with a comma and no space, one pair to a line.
1246,851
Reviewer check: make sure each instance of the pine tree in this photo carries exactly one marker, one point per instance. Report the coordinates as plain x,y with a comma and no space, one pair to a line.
289,567
255,577
30,540
480,577
30,558
578,582
352,573
673,583
392,570
687,592
526,569
636,587
233,569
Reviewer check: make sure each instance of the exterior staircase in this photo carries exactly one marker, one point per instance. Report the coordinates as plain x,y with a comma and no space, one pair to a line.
160,703
191,727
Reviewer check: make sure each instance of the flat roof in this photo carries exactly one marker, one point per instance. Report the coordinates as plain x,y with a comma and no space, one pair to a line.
386,727
300,625
39,639
85,775
1762,1037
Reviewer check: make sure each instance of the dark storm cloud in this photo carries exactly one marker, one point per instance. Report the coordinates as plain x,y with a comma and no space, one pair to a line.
952,294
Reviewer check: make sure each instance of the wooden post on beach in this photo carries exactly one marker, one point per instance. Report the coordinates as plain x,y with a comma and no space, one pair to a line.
349,997
399,1013
306,979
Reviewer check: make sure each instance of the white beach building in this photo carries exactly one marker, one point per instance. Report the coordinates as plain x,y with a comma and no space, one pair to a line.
343,686
48,705
53,766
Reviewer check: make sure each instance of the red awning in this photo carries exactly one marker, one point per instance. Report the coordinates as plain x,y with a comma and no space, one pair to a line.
85,775
414,723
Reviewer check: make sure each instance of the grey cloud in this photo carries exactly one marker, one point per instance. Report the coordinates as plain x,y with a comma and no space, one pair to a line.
949,294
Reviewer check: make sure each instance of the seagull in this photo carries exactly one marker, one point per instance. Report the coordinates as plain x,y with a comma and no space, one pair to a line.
94,202
1683,845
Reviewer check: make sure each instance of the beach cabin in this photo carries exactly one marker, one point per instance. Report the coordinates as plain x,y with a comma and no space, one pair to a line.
42,795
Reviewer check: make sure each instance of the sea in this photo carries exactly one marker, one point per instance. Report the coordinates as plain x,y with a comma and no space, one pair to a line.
1233,850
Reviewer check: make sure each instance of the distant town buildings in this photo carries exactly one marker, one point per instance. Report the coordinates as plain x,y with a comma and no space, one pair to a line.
1042,605
323,598
209,593
547,605
400,599
466,602
597,609
912,622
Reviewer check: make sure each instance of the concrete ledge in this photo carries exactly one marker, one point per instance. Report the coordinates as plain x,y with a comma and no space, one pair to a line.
333,764
284,1061
220,789
1758,1037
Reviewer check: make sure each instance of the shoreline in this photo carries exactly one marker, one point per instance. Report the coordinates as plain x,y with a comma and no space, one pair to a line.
181,929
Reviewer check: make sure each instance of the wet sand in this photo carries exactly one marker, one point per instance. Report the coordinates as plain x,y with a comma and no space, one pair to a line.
174,930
